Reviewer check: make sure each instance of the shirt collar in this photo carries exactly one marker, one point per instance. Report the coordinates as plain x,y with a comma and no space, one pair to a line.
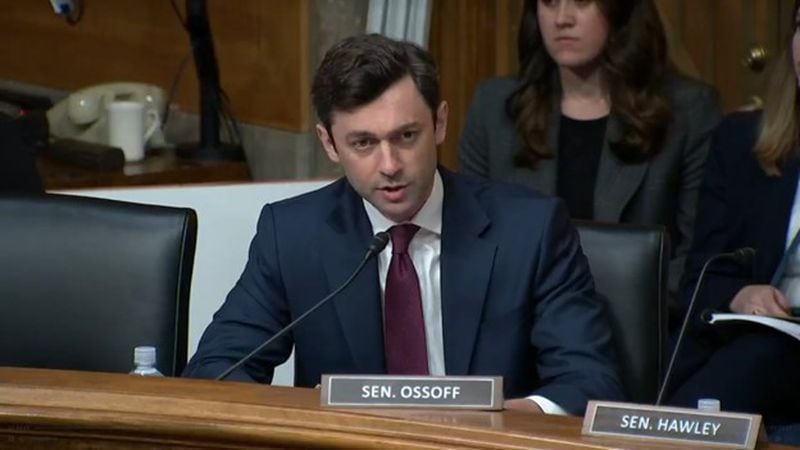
429,217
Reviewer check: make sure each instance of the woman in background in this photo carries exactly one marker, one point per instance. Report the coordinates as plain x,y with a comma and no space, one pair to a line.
597,118
749,199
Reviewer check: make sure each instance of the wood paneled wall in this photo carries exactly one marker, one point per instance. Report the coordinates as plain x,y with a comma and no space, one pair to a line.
262,50
470,40
476,39
717,34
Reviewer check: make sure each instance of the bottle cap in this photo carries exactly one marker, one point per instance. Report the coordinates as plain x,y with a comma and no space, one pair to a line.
144,355
708,404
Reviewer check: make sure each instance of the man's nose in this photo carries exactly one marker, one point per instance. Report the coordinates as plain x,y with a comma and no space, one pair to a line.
390,163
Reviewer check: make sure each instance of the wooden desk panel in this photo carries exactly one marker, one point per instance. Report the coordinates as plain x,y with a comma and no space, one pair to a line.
160,167
61,409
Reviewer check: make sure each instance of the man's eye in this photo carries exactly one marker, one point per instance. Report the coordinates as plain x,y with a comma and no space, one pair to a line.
408,135
362,144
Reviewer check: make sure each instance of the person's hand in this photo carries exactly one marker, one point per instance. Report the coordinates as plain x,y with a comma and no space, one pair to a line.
760,300
523,404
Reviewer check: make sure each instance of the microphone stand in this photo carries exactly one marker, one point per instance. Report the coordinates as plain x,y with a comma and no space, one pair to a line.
669,424
210,147
739,256
378,243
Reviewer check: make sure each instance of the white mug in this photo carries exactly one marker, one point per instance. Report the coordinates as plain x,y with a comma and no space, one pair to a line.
126,127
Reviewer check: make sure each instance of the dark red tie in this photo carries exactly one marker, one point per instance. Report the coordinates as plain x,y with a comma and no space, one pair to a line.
404,329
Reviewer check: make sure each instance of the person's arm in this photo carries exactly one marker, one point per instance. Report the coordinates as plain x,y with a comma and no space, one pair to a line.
702,117
254,310
473,148
575,357
719,213
535,404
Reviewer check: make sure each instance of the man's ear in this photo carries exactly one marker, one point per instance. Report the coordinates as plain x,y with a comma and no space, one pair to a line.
326,140
441,123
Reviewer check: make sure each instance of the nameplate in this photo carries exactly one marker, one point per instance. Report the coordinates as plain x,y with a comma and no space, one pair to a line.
469,392
674,425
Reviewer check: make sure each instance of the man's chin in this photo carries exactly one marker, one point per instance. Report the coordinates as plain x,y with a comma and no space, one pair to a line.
396,212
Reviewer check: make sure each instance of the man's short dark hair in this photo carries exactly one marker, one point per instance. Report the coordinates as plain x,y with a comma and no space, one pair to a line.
360,68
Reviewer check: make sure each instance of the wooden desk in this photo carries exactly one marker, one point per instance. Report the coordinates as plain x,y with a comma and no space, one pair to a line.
60,409
160,167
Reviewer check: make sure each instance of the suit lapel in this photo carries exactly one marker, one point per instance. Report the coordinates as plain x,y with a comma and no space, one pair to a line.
466,267
616,181
343,242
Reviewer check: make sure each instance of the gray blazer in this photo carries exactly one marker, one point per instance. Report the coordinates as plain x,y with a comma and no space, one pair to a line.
661,190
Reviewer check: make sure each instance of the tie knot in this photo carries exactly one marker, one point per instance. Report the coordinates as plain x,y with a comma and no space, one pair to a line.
401,237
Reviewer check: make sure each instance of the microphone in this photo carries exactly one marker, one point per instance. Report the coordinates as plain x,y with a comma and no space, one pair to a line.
741,256
376,245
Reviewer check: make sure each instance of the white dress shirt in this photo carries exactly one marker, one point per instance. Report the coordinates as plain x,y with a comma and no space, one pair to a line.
425,252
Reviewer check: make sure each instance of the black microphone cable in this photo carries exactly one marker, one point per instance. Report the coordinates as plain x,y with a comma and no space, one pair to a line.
376,245
741,257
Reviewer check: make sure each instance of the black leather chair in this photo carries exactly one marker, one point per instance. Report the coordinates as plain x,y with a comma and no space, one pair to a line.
83,281
629,265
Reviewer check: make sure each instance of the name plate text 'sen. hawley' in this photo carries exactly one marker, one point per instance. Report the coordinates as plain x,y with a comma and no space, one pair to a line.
668,424
390,391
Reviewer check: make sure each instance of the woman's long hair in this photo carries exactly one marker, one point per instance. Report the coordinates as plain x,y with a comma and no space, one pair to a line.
778,131
633,63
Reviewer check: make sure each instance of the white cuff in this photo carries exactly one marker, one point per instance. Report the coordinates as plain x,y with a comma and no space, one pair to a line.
548,407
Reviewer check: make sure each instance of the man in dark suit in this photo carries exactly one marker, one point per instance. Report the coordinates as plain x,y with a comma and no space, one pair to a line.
498,284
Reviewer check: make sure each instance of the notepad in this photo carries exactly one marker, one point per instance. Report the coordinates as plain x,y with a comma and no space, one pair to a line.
787,325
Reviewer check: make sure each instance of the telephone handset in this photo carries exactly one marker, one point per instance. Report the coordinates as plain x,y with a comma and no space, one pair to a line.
84,114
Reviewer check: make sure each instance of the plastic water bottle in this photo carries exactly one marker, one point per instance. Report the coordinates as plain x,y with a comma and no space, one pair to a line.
708,404
144,360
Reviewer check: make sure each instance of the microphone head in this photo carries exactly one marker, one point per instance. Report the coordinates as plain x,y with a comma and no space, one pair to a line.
744,255
378,242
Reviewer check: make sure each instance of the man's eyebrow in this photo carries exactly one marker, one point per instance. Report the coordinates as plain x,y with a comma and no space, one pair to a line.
413,124
405,127
361,134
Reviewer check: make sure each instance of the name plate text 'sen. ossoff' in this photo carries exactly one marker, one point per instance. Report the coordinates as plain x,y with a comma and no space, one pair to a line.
668,424
390,391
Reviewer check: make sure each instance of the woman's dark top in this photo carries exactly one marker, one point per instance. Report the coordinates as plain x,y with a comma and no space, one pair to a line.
580,144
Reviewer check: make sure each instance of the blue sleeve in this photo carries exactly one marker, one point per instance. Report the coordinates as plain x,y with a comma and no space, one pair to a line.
575,357
702,117
719,214
255,309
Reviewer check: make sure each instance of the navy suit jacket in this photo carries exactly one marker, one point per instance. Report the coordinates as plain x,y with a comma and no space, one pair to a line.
517,295
739,206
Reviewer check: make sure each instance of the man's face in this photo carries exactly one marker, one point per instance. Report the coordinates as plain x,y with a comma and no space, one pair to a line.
387,149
